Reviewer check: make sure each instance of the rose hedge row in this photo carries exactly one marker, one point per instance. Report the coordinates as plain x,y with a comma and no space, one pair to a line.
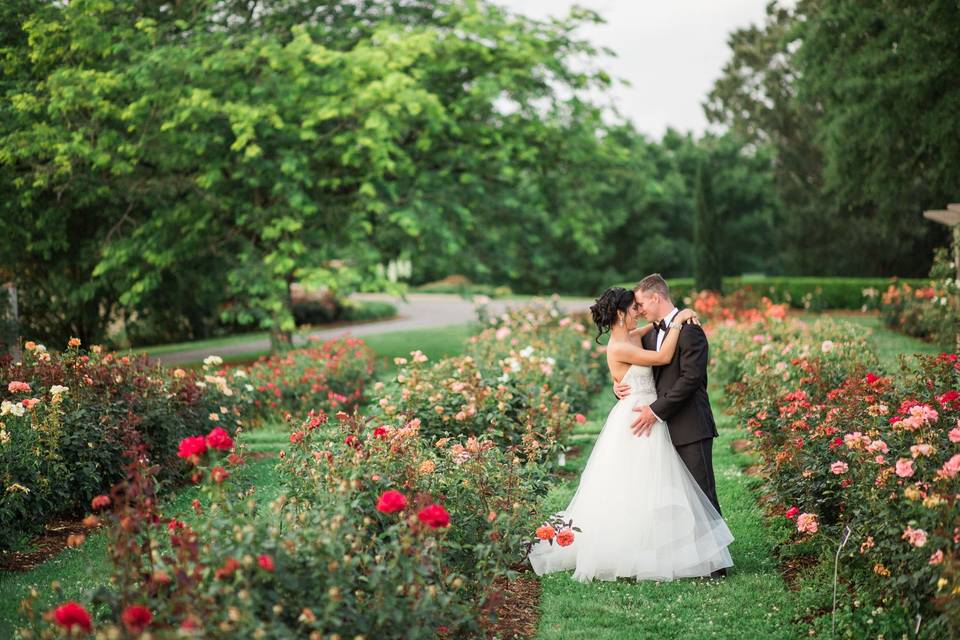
843,444
525,377
380,534
327,376
930,310
70,420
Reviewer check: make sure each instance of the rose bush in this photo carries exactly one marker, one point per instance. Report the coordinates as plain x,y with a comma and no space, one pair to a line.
526,375
67,419
328,376
379,530
843,444
930,312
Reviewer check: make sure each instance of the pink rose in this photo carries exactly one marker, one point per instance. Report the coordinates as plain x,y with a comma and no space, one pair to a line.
916,537
807,523
950,468
954,434
839,468
937,557
921,450
904,468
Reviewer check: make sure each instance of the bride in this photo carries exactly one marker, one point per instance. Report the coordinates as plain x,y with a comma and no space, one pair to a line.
639,511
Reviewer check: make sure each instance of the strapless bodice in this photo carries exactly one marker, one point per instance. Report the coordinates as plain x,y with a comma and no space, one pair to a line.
640,380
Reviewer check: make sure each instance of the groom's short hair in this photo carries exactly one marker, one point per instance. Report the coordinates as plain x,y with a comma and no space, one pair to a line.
654,283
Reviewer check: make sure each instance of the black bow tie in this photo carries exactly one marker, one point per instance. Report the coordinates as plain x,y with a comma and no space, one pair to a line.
660,326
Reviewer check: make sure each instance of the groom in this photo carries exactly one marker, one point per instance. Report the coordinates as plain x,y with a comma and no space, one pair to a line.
682,400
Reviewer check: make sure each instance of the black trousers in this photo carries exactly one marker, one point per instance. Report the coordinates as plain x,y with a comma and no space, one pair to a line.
698,457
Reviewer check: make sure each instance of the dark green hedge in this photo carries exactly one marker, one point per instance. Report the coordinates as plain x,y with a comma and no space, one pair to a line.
800,292
323,312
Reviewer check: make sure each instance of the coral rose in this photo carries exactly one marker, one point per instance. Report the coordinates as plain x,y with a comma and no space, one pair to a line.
546,532
565,538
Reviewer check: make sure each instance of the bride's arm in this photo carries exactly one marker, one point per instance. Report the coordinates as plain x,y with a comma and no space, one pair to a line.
632,354
639,332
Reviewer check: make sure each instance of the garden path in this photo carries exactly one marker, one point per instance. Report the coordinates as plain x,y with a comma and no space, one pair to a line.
416,311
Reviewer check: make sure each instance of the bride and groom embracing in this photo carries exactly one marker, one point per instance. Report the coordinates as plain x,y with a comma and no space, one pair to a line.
646,506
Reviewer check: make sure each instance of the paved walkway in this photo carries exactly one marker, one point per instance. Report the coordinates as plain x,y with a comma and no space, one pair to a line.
418,311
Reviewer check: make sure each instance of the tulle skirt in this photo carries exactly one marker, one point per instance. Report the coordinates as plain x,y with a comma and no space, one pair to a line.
641,513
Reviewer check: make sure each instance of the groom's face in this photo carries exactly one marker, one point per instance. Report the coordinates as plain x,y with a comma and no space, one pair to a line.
638,298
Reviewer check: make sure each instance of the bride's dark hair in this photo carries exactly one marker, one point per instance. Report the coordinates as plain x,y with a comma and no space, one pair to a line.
604,309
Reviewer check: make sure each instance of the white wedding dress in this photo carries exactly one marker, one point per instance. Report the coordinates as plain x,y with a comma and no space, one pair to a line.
641,513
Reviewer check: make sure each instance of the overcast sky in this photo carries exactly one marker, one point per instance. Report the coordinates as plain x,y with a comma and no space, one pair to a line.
670,51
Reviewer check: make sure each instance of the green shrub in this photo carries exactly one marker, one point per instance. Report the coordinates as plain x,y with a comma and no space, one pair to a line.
316,312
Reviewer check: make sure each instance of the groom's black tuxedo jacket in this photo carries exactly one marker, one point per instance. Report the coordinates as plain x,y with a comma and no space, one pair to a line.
682,399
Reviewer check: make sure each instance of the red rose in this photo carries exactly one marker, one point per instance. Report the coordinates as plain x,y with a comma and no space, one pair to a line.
792,513
434,516
100,501
296,437
265,562
219,439
219,474
136,618
70,615
391,501
192,447
380,432
230,565
565,538
580,418
352,441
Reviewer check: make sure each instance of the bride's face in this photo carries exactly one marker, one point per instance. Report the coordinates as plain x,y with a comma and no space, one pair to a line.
630,316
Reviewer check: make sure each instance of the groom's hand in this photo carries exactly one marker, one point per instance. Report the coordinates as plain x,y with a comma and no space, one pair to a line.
644,422
621,390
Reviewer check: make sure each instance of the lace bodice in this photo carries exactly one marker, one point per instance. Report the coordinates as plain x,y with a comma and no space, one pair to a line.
641,380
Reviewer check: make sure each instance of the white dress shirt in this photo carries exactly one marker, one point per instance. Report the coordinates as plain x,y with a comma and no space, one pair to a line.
667,319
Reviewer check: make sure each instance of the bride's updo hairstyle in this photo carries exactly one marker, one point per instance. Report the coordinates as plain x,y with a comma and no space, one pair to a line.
605,308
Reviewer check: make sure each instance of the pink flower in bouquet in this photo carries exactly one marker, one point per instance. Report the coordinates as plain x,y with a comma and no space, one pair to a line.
916,537
565,538
807,523
18,387
839,468
936,557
